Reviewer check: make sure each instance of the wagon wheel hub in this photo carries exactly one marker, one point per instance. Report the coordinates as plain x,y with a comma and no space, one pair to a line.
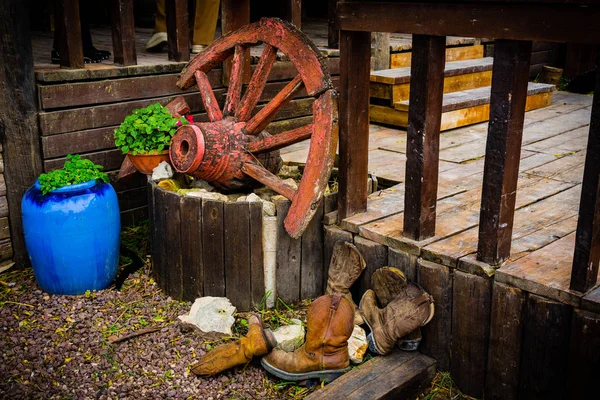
233,150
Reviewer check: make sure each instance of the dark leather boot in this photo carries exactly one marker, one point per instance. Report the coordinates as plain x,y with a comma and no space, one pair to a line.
258,342
344,269
324,354
407,312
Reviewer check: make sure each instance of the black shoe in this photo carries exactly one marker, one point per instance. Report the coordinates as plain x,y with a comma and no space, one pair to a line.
55,58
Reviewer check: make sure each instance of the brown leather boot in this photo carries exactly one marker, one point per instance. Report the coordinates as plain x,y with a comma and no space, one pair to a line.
389,283
257,342
344,269
324,354
407,312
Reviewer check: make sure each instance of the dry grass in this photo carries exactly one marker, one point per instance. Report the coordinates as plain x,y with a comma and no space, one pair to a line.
444,388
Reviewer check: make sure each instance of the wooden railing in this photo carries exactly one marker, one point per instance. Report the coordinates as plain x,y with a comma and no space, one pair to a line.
235,13
514,25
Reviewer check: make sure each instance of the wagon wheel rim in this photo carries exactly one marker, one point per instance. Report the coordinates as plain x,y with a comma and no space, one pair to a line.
312,75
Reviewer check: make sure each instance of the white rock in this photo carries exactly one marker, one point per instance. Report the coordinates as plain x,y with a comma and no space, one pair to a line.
201,184
268,208
253,198
241,198
211,314
357,345
290,337
207,195
162,171
265,193
291,182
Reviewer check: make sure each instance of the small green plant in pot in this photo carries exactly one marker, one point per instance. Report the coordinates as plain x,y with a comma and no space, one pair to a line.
145,136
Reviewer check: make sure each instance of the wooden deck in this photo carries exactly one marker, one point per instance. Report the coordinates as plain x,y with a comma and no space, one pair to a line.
551,170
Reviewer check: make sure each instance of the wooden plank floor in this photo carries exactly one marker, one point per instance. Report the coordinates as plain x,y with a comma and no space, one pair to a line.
551,170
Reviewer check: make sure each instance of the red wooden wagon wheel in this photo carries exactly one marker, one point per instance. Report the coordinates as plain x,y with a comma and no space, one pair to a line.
233,150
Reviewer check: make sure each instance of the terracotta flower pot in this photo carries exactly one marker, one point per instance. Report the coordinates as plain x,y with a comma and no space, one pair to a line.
145,163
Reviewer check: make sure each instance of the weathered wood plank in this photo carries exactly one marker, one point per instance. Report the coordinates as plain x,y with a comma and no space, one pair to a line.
123,32
289,258
236,240
470,332
355,53
397,375
191,255
173,244
401,60
178,29
504,356
4,228
437,335
20,137
257,269
109,159
375,256
114,90
586,259
405,262
584,361
311,269
159,263
423,138
380,55
333,33
503,147
68,33
212,245
545,350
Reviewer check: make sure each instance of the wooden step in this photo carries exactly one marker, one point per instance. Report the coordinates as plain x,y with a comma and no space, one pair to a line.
399,375
462,108
393,85
401,60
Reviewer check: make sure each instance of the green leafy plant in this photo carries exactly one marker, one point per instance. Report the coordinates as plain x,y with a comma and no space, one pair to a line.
147,130
75,171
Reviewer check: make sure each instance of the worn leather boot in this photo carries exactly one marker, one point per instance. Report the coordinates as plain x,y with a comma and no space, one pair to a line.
389,283
344,269
257,342
324,354
407,312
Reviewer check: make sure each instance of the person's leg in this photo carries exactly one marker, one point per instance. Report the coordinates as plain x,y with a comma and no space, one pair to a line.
205,22
159,37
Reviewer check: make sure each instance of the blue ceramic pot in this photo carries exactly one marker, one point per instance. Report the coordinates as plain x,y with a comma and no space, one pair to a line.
72,236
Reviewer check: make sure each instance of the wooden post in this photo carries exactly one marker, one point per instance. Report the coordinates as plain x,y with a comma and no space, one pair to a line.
355,53
18,115
123,32
587,242
294,12
503,149
68,33
178,32
333,33
234,15
423,138
381,51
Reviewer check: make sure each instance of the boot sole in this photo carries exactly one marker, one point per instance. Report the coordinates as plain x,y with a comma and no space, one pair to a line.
325,375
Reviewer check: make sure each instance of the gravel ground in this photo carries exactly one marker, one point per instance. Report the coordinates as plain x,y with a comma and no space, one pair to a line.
56,347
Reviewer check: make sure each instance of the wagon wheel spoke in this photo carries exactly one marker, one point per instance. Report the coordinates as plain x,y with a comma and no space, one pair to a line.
236,80
269,179
257,83
281,140
208,97
268,112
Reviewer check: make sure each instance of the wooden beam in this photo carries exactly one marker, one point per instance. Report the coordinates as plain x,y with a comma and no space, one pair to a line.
333,32
178,31
294,12
355,53
18,115
503,149
587,243
68,33
381,51
423,135
234,15
543,22
123,32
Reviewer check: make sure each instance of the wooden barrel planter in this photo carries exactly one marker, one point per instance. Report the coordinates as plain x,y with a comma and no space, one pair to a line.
203,247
